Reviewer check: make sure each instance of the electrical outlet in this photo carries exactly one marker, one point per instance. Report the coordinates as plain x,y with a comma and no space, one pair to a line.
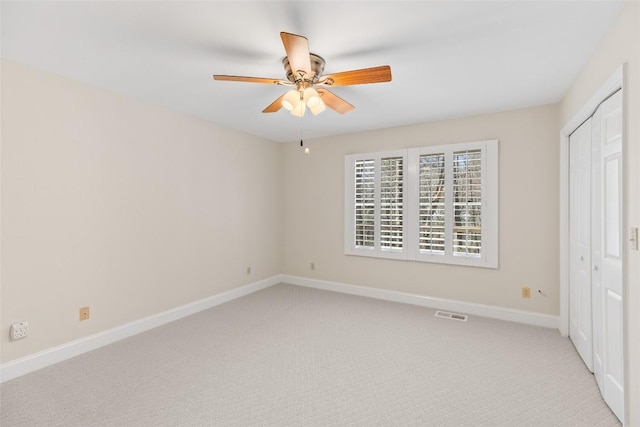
84,313
248,271
19,330
526,292
313,265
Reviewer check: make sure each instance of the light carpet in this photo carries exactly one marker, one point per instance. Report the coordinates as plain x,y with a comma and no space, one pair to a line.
294,356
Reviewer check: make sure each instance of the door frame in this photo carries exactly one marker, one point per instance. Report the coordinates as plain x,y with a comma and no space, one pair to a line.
613,83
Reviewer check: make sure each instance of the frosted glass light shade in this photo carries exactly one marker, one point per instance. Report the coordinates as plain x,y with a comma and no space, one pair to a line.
311,97
318,108
291,99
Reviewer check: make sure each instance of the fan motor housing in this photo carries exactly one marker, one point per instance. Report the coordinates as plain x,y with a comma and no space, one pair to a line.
317,68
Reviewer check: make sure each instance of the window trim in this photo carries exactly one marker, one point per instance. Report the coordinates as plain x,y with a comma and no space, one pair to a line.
411,200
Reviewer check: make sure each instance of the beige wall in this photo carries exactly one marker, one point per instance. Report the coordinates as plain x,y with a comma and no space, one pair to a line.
122,206
621,46
528,180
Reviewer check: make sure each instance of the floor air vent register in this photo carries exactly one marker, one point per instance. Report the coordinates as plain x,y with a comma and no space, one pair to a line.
453,316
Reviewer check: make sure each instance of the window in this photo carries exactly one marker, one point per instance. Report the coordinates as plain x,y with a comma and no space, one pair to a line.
376,204
365,203
391,207
431,187
467,202
433,204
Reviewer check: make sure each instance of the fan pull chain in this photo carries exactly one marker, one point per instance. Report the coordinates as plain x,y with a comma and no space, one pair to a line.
306,149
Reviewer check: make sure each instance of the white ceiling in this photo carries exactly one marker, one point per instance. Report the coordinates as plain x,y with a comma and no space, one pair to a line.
448,59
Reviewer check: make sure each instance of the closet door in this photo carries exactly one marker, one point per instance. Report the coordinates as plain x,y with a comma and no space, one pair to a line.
580,322
607,252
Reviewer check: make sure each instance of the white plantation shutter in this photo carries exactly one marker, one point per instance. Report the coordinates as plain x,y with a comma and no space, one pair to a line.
364,203
467,203
433,204
374,201
391,203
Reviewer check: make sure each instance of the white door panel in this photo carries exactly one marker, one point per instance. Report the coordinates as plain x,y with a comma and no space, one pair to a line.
612,218
596,251
607,242
580,330
613,384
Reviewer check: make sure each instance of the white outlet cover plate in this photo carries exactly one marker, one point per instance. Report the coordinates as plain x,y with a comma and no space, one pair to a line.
19,330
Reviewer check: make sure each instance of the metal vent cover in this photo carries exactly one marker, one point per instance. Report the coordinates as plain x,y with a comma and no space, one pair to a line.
453,316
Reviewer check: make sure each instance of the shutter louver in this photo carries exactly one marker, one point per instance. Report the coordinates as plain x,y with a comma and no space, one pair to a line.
432,208
364,203
391,204
467,203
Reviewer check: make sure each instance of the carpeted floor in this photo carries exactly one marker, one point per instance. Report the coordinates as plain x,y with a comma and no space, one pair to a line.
294,356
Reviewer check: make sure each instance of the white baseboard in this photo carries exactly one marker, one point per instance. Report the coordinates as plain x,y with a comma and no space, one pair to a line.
520,316
33,362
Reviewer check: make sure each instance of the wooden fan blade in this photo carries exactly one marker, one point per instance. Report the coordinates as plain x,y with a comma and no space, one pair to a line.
275,105
334,101
247,79
297,48
359,77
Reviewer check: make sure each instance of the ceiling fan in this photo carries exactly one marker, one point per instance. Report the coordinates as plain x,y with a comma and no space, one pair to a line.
304,72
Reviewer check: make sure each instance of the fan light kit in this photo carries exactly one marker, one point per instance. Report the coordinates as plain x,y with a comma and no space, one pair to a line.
304,72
